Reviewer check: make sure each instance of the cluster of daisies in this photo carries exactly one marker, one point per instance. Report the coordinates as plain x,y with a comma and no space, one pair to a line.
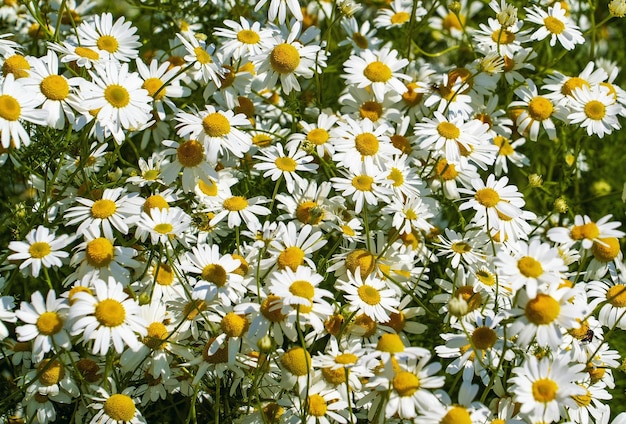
274,261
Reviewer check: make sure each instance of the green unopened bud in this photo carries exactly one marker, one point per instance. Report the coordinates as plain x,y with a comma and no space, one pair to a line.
455,7
601,188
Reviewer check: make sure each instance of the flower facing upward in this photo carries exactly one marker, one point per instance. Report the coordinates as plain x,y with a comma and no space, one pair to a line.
17,104
595,109
113,40
556,25
40,248
369,296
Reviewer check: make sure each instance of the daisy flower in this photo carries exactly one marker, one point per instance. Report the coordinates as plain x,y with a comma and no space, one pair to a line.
149,171
287,59
508,152
492,199
41,247
112,40
323,405
191,159
409,214
403,176
561,87
44,322
359,37
448,176
369,296
293,248
108,317
360,103
536,111
238,208
468,248
299,289
545,387
81,56
378,69
244,39
163,225
114,210
316,136
200,54
276,163
611,294
54,91
586,231
398,14
162,84
116,408
278,9
554,24
542,317
534,265
594,109
494,37
119,98
18,104
217,130
368,186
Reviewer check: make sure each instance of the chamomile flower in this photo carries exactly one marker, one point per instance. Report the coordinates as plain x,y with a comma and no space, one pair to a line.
41,248
554,24
316,136
409,214
377,69
217,130
496,38
287,59
278,9
545,387
508,152
468,248
108,317
116,41
299,289
44,323
359,37
398,14
366,187
276,163
116,408
114,210
594,109
81,56
536,111
245,39
162,83
191,159
17,104
586,231
293,248
164,226
238,208
369,296
149,171
118,97
611,294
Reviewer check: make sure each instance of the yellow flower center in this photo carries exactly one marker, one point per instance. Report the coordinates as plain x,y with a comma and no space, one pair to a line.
163,228
297,361
261,140
234,325
215,273
317,136
446,171
219,357
485,277
410,214
157,333
460,247
595,110
397,321
235,203
377,72
99,252
53,373
503,36
309,213
269,311
153,85
193,308
366,144
119,407
452,21
540,108
247,36
284,58
484,338
317,406
605,249
362,182
334,376
117,96
202,56
405,383
396,176
216,125
155,201
208,189
457,415
89,370
487,197
291,257
360,40
448,130
87,53
39,249
369,294
103,208
150,174
302,289
347,230
362,259
542,310
190,153
371,110
401,143
504,144
391,343
110,313
49,323
10,108
474,299
571,84
583,400
107,43
616,296
554,25
530,267
285,164
16,65
411,96
585,231
400,18
243,267
544,390
54,87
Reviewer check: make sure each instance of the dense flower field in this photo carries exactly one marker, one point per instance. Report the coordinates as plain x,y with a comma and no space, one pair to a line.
331,211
